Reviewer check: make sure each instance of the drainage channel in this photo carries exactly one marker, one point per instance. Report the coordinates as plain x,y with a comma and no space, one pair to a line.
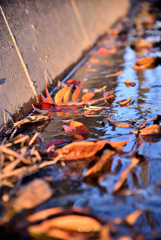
86,163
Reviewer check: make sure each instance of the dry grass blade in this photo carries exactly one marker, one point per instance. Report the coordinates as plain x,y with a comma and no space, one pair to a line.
99,165
33,138
124,174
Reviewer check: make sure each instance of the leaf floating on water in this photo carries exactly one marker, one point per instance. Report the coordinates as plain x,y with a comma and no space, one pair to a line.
59,96
87,96
146,63
118,124
104,51
76,128
153,130
124,174
128,83
86,149
76,94
105,159
132,217
125,101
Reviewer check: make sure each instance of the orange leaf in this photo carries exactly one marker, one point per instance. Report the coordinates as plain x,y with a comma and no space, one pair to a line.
87,96
67,94
124,102
152,130
85,149
59,96
43,100
76,128
74,81
146,63
75,94
48,95
124,174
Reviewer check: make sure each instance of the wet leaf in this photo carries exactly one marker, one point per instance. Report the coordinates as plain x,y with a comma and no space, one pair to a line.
118,124
146,63
87,96
31,119
59,96
125,101
86,149
132,217
43,100
105,159
152,131
56,142
124,174
128,83
76,94
35,193
76,128
94,60
67,94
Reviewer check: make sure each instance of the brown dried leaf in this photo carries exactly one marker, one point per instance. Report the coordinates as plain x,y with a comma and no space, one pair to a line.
146,63
118,124
124,174
124,102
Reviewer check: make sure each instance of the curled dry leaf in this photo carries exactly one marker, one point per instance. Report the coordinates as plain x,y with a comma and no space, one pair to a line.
87,96
141,45
86,149
31,119
124,174
59,96
76,128
125,101
35,193
153,130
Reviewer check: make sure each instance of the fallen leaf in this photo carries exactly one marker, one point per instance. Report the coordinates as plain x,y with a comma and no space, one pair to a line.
105,159
94,60
85,149
74,81
125,101
56,142
124,174
132,217
76,128
87,96
76,94
118,124
128,83
35,193
48,95
31,119
76,223
104,51
146,63
67,94
153,130
59,96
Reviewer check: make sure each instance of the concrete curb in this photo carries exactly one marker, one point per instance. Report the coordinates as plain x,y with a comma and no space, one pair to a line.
41,39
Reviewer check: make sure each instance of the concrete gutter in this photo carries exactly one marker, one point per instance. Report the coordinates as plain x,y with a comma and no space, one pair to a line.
40,40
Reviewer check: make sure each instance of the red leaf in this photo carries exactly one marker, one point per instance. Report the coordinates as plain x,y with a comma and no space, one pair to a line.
67,94
59,96
76,128
74,81
43,100
48,95
56,142
104,51
76,94
87,96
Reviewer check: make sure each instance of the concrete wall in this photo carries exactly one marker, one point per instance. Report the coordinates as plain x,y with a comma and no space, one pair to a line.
40,39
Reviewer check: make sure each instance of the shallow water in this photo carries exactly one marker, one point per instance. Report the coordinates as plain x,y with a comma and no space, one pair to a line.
141,190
